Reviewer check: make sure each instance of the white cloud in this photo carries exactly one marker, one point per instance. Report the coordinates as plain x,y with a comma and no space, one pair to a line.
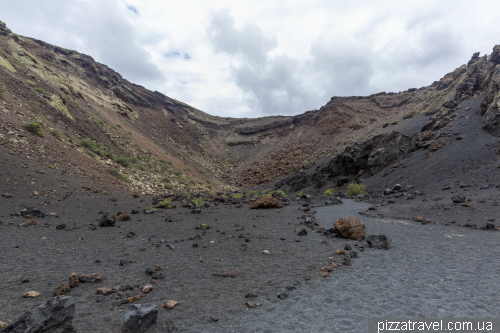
251,58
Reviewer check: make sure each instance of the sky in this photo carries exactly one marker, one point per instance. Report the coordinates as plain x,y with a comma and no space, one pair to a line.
252,58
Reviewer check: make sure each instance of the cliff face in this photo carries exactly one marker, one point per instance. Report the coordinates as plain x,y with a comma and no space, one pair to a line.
162,144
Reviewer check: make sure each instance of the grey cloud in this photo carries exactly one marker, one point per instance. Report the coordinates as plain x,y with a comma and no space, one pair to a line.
270,84
96,28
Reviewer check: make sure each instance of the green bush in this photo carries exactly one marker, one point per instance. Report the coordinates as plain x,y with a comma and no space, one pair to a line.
166,180
281,193
269,194
96,148
35,128
165,204
199,201
355,189
252,193
329,192
141,167
119,175
169,186
58,135
238,196
123,161
2,92
177,173
301,193
40,90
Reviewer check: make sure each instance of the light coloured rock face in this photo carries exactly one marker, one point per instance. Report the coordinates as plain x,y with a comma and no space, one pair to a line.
350,227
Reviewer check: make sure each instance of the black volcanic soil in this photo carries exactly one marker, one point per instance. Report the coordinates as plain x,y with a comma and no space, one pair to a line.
47,256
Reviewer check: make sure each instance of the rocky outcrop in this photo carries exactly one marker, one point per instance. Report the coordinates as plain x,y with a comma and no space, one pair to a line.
266,202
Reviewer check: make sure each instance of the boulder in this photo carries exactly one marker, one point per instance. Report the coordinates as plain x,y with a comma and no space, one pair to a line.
350,227
460,198
107,220
266,202
139,317
54,315
379,242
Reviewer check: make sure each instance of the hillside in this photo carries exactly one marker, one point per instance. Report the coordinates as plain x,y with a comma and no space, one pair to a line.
90,114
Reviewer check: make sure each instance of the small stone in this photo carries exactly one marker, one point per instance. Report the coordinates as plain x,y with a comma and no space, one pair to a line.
90,278
124,217
169,304
62,289
105,290
325,274
195,244
266,252
213,319
302,232
340,251
73,280
31,294
35,193
135,298
150,271
283,294
2,324
157,276
60,226
250,305
250,294
147,288
347,247
158,268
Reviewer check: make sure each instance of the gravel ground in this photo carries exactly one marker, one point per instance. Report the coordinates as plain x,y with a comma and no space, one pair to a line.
430,271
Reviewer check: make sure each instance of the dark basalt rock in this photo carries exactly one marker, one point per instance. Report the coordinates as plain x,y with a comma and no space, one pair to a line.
139,317
379,242
54,315
107,220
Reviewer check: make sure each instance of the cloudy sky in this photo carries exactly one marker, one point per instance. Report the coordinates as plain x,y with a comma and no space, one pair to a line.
250,58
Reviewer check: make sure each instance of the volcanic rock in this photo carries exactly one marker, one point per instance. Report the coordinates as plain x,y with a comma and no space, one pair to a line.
107,220
266,202
54,315
350,227
139,317
31,212
379,242
169,304
62,289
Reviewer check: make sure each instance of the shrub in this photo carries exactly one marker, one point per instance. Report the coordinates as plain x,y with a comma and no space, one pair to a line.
281,193
199,201
252,193
201,171
2,92
58,135
177,173
355,189
166,180
123,161
329,192
141,167
301,193
35,128
119,175
207,180
169,186
165,204
40,90
238,196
